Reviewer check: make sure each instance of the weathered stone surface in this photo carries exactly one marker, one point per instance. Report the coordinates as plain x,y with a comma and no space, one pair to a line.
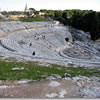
2,16
48,42
90,92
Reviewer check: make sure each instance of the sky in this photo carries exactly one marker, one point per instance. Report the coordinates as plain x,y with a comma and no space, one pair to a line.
19,5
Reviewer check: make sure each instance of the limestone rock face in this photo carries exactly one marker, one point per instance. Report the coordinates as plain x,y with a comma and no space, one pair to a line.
80,35
90,92
43,38
48,40
2,16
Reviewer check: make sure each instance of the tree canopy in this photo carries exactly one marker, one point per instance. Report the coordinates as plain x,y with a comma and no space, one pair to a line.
86,20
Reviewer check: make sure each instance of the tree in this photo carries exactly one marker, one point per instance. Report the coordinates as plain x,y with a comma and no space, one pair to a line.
44,10
50,13
64,15
58,13
32,9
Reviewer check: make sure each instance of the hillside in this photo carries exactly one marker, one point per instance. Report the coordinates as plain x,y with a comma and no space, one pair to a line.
47,60
48,41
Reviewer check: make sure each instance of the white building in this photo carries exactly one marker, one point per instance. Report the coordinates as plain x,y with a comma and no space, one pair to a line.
41,13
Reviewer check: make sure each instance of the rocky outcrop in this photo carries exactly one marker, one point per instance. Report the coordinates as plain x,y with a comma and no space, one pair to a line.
2,16
50,41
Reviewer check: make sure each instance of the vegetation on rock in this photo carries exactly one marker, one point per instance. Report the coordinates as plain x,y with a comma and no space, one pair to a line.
35,71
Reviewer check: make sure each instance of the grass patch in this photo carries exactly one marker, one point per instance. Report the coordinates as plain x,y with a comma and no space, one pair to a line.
83,71
34,71
4,20
33,19
31,71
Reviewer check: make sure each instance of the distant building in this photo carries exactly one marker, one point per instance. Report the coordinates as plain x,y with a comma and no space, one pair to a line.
30,13
26,8
41,13
16,16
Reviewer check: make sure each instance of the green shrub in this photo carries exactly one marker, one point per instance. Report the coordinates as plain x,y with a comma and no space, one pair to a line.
32,19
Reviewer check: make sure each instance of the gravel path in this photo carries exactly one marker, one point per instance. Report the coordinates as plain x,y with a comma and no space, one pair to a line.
75,87
43,89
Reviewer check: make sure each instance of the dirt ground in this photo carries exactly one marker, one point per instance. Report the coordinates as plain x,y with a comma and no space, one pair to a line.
58,88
